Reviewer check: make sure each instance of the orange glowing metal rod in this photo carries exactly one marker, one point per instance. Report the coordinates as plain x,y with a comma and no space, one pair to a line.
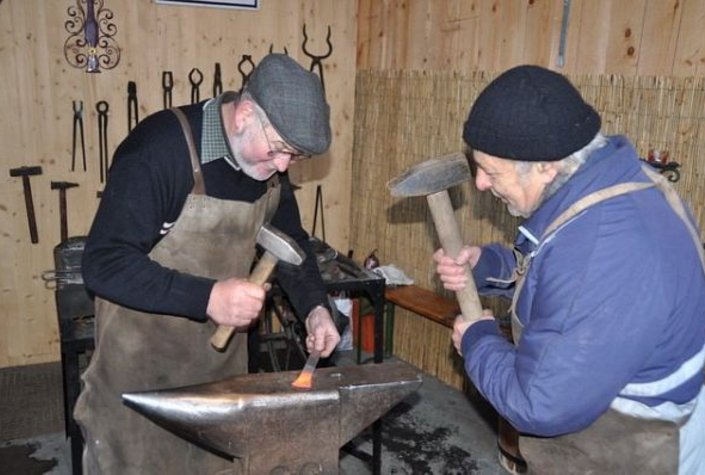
305,378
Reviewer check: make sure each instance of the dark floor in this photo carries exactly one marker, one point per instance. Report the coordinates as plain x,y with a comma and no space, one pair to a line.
437,430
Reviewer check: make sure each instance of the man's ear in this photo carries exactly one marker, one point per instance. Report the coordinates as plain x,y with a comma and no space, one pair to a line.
244,113
547,170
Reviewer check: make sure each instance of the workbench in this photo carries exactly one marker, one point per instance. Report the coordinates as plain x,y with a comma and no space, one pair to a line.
420,301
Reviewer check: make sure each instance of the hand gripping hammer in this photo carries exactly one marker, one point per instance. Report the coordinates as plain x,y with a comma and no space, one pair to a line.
432,179
277,247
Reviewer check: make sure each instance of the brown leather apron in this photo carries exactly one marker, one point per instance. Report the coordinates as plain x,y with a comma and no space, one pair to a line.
138,351
615,443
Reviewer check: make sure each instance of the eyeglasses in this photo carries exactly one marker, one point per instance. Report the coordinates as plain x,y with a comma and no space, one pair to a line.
278,147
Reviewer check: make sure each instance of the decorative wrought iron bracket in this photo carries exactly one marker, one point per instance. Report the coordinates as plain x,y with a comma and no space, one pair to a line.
91,42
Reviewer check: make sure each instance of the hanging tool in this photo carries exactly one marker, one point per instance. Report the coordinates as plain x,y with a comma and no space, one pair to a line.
217,83
319,204
271,49
102,108
167,86
132,114
560,62
316,59
305,379
195,77
246,59
78,129
62,186
25,173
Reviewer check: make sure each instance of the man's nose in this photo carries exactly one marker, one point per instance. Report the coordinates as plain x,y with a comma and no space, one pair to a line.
482,180
282,161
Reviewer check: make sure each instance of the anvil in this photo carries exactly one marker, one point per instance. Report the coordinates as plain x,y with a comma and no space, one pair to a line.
273,428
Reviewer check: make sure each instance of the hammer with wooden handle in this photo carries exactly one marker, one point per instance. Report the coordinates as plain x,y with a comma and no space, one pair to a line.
277,247
432,179
25,173
62,186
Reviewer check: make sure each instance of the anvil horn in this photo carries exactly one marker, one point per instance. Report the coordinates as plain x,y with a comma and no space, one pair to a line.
261,419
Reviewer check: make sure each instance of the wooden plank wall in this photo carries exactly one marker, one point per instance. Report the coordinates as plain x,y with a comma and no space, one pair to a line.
37,88
422,62
630,37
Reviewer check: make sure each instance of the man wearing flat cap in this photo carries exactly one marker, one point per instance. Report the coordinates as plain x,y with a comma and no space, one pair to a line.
606,276
170,250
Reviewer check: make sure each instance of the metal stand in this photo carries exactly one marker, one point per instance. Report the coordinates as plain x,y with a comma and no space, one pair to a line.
341,273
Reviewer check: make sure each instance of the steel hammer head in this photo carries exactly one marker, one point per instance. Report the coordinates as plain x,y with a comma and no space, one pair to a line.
62,185
280,245
431,176
26,171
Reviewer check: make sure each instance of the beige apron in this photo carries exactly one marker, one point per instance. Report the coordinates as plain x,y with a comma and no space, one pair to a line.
615,443
138,351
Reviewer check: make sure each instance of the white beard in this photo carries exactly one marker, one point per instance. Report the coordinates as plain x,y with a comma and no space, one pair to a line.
236,145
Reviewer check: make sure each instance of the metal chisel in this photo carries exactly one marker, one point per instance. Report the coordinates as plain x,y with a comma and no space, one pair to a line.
305,378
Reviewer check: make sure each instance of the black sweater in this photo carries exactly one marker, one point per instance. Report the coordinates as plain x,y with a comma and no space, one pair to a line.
150,178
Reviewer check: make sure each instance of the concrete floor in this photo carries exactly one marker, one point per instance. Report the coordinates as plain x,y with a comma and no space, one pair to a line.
437,430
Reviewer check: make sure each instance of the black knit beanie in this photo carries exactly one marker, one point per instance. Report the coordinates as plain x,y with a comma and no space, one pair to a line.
530,113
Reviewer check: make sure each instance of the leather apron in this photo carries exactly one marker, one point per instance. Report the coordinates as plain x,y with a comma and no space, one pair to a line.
137,351
615,442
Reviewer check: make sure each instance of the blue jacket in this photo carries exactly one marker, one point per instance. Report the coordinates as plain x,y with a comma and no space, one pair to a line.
617,296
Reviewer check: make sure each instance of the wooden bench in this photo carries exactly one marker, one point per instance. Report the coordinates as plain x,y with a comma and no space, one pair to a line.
423,302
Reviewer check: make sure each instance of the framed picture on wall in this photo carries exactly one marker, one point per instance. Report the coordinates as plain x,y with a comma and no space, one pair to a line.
241,4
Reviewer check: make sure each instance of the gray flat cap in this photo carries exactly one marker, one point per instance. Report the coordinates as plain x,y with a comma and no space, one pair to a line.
294,102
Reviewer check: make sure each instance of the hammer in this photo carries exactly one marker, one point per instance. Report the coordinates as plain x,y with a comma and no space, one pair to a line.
277,247
432,179
62,186
25,173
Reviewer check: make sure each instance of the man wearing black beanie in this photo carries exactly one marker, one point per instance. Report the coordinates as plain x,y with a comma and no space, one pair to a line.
607,281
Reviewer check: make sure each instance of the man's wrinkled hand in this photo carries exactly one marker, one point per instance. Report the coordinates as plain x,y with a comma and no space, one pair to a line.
235,302
322,333
460,326
452,271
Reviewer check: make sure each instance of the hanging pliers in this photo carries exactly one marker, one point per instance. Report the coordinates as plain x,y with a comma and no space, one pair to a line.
167,86
195,77
78,129
132,108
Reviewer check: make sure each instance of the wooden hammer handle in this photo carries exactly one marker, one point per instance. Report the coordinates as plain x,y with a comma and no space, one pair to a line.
260,274
452,242
29,204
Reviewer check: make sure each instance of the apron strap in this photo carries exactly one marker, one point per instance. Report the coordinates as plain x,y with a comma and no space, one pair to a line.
199,188
570,212
592,199
677,206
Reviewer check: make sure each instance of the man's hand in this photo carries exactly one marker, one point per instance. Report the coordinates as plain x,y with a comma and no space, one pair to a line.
235,302
460,326
452,271
322,334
